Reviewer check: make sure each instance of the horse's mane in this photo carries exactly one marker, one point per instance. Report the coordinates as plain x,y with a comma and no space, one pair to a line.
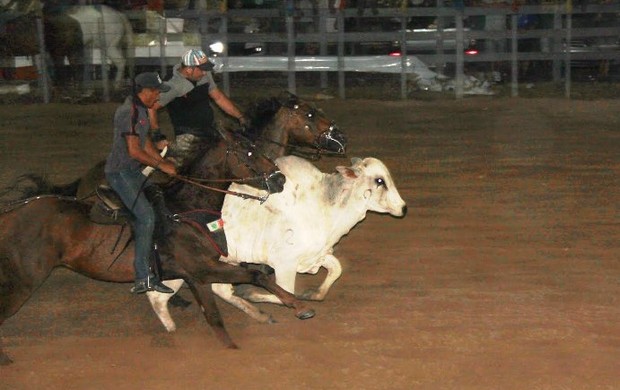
260,114
263,112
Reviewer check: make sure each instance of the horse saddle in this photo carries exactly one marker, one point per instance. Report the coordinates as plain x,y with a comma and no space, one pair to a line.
109,209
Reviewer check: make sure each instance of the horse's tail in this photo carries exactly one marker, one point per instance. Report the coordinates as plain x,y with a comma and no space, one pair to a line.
30,184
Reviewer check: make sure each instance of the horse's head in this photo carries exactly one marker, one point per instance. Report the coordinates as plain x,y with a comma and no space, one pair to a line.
309,126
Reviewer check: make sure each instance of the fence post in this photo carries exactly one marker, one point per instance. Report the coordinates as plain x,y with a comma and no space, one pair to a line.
567,70
162,45
341,90
290,44
323,42
514,63
41,64
403,57
103,60
556,45
226,74
458,81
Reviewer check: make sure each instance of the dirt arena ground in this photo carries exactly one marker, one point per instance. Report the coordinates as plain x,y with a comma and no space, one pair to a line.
505,273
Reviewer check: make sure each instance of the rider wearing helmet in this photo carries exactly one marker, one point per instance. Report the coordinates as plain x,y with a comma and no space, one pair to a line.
189,104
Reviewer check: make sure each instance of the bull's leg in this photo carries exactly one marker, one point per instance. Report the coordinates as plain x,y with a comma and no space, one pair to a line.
334,270
159,303
226,292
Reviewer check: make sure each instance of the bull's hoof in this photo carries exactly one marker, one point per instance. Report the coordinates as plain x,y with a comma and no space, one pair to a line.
306,314
310,295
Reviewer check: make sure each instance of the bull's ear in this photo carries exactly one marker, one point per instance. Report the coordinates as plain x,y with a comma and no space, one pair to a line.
347,172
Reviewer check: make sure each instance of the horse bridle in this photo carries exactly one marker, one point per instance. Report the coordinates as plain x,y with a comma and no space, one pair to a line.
315,151
265,178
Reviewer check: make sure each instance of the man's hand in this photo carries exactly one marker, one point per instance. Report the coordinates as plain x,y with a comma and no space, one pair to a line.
160,145
167,167
243,121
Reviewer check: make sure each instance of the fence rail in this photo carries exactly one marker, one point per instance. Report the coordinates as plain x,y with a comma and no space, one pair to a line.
338,36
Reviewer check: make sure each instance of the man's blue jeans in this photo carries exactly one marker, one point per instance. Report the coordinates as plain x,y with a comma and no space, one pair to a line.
129,186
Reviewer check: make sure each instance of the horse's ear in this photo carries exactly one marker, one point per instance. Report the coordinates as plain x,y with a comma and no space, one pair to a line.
288,99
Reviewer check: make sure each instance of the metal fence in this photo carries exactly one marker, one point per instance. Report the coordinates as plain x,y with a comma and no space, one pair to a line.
341,41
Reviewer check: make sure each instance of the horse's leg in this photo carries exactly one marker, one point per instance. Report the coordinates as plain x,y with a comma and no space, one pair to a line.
159,303
204,297
19,277
226,292
285,277
215,271
5,360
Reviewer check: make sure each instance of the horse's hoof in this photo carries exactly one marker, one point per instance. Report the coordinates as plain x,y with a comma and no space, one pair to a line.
271,320
179,301
307,314
232,346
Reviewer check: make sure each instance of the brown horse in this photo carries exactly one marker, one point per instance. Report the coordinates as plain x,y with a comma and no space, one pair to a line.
53,231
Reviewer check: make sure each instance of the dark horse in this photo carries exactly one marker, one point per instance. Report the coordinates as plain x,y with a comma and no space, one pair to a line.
51,231
279,125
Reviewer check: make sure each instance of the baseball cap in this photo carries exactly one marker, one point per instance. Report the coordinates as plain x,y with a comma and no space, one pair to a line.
151,80
195,57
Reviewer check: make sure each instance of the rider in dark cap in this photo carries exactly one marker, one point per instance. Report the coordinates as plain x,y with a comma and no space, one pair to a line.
132,149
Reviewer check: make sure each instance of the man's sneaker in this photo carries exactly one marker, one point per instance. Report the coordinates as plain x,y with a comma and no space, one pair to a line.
143,285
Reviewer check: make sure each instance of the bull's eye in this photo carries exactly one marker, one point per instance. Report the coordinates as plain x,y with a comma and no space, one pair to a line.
380,182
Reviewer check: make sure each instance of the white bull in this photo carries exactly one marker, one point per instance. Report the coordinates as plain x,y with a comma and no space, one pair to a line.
295,231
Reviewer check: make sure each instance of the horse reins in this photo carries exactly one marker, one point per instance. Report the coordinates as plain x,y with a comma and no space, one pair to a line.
196,182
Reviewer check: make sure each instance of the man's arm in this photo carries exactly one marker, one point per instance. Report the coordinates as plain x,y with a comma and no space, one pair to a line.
148,155
226,105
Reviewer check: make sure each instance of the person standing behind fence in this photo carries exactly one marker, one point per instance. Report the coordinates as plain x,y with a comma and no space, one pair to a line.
189,105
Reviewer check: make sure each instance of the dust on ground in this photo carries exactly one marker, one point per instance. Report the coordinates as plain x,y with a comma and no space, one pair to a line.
503,275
